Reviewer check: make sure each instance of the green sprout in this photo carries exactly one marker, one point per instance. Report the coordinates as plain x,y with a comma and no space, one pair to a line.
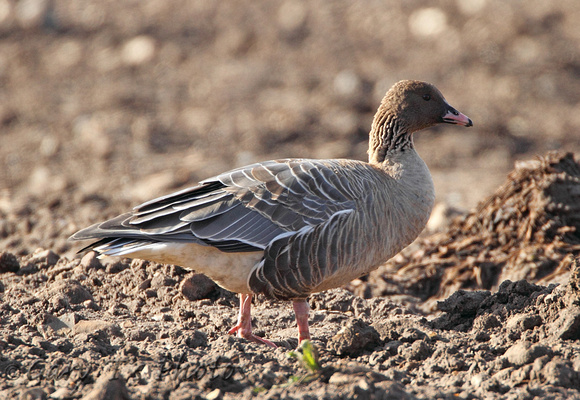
308,356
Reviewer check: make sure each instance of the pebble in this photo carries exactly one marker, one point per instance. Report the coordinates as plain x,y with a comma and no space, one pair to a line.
151,185
33,394
42,182
97,325
411,335
354,338
6,10
161,280
347,84
110,386
486,322
90,261
116,266
524,322
567,326
31,13
214,394
61,393
138,50
46,257
91,132
339,378
524,353
427,22
197,287
74,292
8,263
292,16
70,319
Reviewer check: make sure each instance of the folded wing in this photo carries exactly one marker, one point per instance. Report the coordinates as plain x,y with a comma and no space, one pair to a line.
241,210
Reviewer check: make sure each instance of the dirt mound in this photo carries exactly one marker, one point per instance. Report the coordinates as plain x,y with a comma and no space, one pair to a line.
528,229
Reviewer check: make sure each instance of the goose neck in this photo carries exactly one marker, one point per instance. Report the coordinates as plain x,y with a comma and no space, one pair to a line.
388,136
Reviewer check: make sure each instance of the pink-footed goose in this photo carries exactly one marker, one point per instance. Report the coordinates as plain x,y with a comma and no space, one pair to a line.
288,228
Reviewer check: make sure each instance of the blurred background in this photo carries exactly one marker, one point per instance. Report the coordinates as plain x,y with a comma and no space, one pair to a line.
105,104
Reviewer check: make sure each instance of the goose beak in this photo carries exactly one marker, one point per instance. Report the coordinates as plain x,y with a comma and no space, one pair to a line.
455,117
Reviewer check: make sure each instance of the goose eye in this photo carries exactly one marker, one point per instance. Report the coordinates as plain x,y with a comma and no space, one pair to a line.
426,97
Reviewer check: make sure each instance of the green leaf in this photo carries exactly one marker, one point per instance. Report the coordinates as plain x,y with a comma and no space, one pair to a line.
309,356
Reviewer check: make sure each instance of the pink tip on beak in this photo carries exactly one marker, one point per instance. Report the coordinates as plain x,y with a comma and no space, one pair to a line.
455,117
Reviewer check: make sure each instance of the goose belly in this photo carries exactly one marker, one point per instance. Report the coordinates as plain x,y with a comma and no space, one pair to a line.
229,270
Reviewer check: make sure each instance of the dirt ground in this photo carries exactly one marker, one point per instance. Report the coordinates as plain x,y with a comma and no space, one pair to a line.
107,104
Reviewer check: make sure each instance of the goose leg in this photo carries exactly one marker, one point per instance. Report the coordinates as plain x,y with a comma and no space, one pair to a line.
301,309
244,326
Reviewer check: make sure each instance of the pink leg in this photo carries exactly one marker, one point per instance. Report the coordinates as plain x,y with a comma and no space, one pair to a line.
301,309
244,326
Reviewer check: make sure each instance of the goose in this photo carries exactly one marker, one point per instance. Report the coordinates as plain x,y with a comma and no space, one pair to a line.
291,227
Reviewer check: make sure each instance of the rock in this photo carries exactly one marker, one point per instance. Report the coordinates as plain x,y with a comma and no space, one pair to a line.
197,287
567,326
72,291
33,394
161,280
71,319
354,338
31,13
47,258
411,335
524,322
8,263
138,50
97,325
393,390
42,182
116,266
486,322
147,187
559,373
146,284
55,323
61,393
110,386
524,353
90,261
427,22
214,395
92,134
418,351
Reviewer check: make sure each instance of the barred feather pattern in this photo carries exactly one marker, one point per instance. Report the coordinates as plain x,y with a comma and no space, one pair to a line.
351,242
388,135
